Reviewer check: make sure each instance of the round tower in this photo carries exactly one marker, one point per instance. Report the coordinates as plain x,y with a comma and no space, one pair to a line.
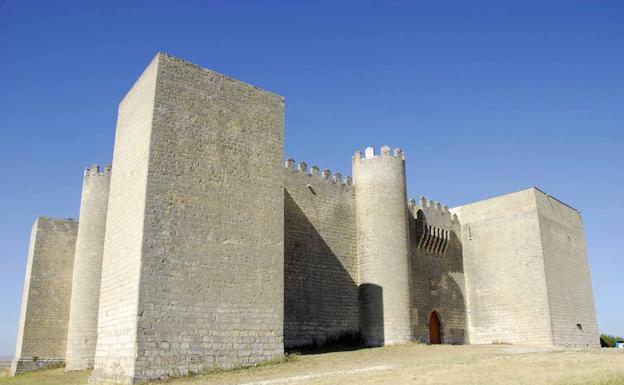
382,246
85,297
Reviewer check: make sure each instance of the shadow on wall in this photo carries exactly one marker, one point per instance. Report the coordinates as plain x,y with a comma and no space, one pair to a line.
371,314
437,282
320,297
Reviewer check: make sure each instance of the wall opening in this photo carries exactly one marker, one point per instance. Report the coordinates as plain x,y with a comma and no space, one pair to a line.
435,335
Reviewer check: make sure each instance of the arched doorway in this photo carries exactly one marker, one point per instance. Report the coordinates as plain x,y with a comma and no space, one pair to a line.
434,329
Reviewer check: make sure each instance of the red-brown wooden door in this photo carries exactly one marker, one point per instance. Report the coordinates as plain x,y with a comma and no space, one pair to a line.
434,329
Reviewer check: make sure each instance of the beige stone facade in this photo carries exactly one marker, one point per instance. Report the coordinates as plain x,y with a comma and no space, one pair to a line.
527,276
85,298
42,331
204,250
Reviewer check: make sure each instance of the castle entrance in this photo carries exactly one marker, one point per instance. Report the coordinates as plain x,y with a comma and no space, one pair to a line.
434,329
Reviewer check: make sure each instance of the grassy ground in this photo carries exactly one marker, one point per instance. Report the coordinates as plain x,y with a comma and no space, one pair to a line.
408,364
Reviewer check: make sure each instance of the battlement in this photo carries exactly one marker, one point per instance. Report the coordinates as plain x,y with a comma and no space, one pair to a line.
315,171
430,205
44,218
369,153
94,170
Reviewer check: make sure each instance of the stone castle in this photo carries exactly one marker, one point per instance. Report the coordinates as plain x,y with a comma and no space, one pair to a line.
200,248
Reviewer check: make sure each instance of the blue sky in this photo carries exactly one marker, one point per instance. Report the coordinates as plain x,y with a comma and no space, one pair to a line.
485,97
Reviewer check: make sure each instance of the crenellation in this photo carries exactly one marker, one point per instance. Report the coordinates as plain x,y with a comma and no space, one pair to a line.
202,251
385,151
315,172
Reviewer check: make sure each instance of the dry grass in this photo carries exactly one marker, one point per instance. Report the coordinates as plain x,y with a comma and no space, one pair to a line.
48,377
407,364
608,379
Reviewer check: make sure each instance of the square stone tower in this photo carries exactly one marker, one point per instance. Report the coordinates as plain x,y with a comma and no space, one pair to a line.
192,275
527,275
42,332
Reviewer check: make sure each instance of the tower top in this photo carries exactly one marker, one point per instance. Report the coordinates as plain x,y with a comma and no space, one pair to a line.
369,153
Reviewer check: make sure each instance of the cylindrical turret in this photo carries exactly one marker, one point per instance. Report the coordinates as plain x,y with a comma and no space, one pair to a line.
85,298
382,246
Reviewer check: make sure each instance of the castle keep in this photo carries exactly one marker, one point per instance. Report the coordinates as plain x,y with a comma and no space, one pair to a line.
202,248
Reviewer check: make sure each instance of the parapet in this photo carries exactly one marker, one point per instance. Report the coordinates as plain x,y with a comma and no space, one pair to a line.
369,153
94,170
315,171
431,207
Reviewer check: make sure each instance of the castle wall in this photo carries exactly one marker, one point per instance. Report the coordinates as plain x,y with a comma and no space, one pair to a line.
382,247
210,287
85,297
507,297
123,242
437,272
320,261
42,331
567,274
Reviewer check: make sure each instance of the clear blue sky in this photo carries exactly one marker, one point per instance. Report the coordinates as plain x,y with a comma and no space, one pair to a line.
484,97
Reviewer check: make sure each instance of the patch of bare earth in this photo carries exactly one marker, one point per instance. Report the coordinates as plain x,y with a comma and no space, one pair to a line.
418,364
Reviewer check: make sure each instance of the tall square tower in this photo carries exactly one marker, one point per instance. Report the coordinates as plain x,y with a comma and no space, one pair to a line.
192,275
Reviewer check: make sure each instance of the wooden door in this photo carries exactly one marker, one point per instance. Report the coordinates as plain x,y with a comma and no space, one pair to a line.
434,329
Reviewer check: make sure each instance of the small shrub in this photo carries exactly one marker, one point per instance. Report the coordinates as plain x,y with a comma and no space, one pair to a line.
608,341
291,357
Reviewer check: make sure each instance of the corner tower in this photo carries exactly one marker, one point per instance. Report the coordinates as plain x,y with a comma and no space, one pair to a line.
382,246
85,298
193,264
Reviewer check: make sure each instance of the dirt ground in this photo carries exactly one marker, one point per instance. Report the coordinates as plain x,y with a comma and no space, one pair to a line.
408,364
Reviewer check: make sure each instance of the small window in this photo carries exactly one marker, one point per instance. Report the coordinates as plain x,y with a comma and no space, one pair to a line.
433,284
579,327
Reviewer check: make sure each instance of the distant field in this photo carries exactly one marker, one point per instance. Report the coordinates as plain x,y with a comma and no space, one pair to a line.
408,364
5,364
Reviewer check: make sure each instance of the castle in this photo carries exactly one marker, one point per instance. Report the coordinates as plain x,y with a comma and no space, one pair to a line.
202,248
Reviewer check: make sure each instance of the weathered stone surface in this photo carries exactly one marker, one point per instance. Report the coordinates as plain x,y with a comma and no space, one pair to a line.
320,260
382,247
437,273
85,298
210,286
507,298
215,255
527,275
572,311
42,332
116,348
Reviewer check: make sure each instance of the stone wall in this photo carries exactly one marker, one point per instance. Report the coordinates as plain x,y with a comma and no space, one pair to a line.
507,297
437,272
320,261
211,258
42,331
85,298
572,310
123,243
